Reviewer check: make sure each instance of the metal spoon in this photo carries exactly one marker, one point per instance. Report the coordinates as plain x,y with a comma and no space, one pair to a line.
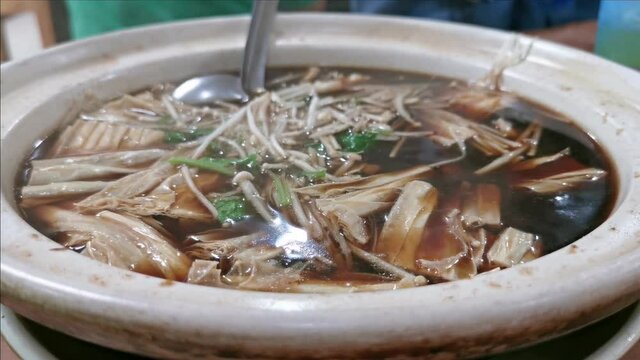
207,89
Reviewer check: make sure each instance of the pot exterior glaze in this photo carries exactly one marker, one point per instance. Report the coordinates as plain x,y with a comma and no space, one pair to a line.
596,276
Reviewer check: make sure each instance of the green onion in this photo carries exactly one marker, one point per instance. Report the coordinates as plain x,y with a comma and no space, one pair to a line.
175,137
250,162
231,208
315,175
356,142
222,166
283,194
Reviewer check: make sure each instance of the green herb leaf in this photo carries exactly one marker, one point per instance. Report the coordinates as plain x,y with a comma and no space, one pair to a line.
319,148
283,194
175,137
222,166
231,208
356,142
315,175
250,162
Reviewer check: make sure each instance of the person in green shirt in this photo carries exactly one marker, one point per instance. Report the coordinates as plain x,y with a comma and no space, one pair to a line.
93,17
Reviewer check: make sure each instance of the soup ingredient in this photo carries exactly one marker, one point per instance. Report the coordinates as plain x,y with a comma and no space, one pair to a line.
34,195
204,272
117,239
222,166
501,161
512,53
232,208
511,247
128,187
356,142
174,137
315,175
92,137
243,180
563,181
330,181
482,206
402,232
282,191
533,163
461,252
90,167
221,244
353,226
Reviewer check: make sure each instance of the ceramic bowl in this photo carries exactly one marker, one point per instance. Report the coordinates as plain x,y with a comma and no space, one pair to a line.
557,293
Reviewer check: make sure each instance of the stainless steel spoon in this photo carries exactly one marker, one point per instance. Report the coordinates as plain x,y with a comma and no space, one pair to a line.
207,89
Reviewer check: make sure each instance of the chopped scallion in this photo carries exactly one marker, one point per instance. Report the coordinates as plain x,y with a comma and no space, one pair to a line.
356,142
231,208
282,194
222,166
175,137
315,175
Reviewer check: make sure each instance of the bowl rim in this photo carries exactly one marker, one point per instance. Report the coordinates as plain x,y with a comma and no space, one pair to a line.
27,286
26,345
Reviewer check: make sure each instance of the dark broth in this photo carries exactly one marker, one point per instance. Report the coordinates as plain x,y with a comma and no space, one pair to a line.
557,219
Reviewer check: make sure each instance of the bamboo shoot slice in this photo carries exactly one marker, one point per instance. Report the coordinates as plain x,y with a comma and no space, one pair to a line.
402,232
482,207
511,247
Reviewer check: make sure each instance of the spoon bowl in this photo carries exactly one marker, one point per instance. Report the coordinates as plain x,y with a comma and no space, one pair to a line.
208,89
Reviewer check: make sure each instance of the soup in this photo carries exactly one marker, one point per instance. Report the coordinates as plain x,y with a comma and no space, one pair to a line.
332,180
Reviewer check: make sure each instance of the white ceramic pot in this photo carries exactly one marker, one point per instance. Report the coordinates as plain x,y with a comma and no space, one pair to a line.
559,292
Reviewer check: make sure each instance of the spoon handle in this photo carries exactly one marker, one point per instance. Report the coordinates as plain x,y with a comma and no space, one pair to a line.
257,46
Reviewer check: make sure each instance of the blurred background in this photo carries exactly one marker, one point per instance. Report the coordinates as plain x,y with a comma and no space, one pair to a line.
611,28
